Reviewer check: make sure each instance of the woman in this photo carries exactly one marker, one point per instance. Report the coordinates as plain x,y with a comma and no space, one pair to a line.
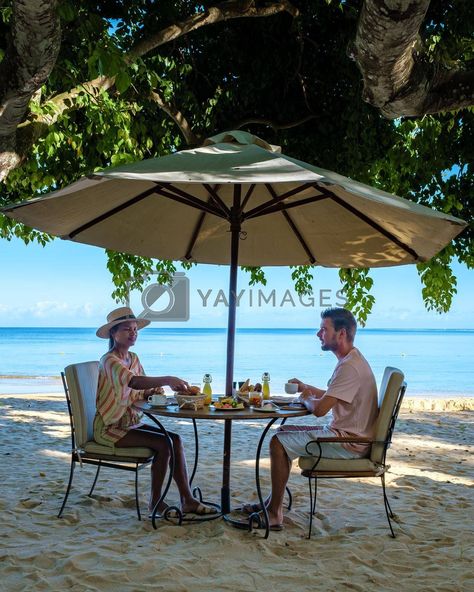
122,381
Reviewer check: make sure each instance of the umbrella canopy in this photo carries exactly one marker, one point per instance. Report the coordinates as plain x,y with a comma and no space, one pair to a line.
279,211
179,207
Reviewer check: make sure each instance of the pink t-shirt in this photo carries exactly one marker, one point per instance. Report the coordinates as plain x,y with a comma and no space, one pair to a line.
355,412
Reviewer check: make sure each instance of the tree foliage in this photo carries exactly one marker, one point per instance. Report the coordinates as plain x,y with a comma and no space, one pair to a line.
136,79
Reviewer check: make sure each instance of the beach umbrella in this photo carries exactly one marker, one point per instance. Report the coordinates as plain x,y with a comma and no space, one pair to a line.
238,200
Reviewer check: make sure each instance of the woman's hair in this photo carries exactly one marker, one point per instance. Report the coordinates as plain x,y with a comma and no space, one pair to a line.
111,336
341,319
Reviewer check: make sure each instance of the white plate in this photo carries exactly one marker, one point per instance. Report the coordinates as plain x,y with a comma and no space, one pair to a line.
158,406
269,409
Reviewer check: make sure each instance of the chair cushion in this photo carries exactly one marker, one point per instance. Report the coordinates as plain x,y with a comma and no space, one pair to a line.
338,464
82,382
389,393
115,451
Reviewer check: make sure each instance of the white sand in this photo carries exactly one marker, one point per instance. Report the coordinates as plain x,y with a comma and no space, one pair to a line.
100,545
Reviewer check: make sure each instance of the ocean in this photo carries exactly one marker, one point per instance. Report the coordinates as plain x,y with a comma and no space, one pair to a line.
435,362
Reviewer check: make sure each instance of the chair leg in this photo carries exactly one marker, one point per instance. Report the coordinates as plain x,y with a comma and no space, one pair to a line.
95,480
136,493
310,507
388,509
313,509
290,498
71,474
392,515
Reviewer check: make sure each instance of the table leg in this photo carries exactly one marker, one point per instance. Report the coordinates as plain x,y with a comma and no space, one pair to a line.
196,453
225,490
170,476
257,482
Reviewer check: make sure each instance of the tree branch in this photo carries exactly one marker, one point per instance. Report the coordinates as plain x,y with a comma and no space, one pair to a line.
38,28
177,117
273,124
225,11
31,54
398,77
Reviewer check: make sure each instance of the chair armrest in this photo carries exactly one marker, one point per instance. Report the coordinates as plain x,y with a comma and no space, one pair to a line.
355,439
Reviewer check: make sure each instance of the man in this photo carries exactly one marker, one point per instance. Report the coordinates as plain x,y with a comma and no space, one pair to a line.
351,395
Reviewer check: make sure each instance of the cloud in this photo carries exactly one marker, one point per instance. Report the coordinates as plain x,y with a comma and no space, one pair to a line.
48,309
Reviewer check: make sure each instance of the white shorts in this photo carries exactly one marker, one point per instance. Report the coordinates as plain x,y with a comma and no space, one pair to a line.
294,440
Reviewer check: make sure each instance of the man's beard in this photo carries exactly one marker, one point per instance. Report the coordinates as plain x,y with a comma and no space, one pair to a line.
332,346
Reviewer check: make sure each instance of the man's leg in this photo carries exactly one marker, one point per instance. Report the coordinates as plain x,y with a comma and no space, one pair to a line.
280,466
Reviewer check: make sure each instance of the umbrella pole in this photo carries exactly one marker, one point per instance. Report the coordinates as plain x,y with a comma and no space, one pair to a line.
234,257
229,377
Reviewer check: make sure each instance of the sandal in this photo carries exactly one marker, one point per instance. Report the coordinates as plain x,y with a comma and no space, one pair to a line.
274,527
202,510
166,512
251,509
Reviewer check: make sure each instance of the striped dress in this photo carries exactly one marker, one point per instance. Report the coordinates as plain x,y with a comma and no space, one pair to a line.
115,415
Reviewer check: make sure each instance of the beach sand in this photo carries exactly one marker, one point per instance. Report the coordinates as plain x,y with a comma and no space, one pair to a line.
100,545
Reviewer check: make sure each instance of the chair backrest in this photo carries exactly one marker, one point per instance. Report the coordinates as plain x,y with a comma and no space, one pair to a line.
391,394
82,380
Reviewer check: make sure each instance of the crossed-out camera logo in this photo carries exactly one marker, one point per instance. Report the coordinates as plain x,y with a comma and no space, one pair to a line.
168,302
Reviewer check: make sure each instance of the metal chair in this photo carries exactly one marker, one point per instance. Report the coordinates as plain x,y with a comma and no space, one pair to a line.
315,466
80,386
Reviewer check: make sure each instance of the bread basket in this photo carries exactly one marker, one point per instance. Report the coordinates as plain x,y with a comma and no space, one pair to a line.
187,401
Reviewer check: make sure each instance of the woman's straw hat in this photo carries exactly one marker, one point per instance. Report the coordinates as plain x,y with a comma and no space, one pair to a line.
117,316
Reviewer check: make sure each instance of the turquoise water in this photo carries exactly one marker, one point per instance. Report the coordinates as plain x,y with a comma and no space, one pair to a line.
434,362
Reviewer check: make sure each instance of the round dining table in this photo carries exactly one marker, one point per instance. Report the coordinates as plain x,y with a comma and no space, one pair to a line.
228,416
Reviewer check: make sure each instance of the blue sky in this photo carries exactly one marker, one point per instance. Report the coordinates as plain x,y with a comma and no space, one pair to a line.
67,285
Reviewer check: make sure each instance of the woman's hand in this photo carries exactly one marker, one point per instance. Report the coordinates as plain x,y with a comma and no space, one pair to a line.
177,384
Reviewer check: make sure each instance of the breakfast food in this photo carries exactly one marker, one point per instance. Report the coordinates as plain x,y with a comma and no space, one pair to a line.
228,403
247,388
192,390
255,398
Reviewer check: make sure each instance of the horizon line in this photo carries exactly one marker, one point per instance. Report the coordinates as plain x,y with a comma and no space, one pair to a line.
163,326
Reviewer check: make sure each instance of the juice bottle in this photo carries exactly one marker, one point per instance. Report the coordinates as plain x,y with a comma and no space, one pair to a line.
207,389
266,385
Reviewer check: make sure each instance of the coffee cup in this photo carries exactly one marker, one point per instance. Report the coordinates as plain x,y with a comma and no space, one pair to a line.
291,388
157,400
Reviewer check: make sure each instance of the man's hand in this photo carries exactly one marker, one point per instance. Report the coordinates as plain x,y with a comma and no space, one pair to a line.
301,385
306,395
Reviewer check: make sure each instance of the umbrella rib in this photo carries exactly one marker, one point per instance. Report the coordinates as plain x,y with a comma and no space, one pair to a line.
268,204
110,213
371,223
158,189
292,225
187,199
216,199
247,196
196,231
294,204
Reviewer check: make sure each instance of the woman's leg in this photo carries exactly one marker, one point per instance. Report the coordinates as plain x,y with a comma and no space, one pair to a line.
152,437
157,442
